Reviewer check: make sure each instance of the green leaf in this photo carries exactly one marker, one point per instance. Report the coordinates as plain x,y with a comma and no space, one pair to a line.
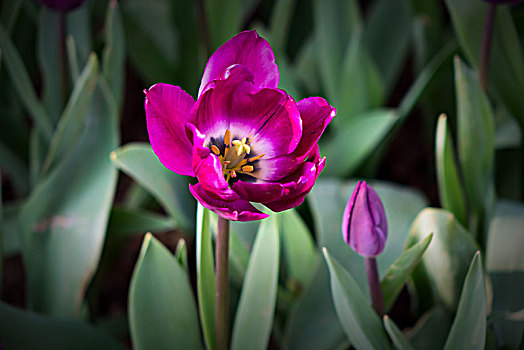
181,254
424,78
50,61
11,234
280,23
126,221
361,135
169,189
72,122
505,242
387,35
114,57
63,235
359,321
335,22
15,168
430,331
27,330
315,310
224,18
399,340
205,276
299,250
72,58
451,194
254,317
506,72
399,272
162,311
22,84
476,136
469,328
361,86
78,26
446,259
152,49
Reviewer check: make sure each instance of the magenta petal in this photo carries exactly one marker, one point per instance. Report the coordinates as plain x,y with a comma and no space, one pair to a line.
237,210
263,191
316,114
168,108
246,48
276,168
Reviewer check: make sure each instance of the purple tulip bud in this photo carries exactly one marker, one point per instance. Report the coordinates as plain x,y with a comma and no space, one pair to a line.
364,225
61,5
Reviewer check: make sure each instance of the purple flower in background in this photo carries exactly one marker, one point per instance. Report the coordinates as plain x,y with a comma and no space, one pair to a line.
244,139
61,5
364,225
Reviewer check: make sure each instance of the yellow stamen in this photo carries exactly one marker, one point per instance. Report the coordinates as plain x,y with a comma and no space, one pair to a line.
215,150
227,137
247,168
233,173
255,158
226,151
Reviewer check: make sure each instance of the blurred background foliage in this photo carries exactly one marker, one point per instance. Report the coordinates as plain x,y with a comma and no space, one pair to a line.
81,185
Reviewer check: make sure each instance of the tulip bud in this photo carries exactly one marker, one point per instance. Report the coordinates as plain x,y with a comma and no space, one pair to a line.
364,225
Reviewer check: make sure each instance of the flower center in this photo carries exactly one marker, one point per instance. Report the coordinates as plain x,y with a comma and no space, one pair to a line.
235,156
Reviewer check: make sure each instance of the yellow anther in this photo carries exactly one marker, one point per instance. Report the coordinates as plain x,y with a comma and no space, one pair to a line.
226,151
247,168
255,158
215,150
227,137
233,173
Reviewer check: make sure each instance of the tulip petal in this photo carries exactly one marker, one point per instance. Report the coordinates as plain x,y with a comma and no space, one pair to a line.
168,108
246,48
237,210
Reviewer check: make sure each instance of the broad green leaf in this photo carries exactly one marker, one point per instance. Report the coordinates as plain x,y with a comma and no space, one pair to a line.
315,310
476,134
361,86
125,221
306,69
63,235
171,190
361,134
38,149
424,78
399,272
335,22
469,328
238,257
506,72
399,340
162,311
73,118
22,330
224,18
72,58
113,59
10,11
51,62
22,83
79,28
254,317
358,319
387,35
11,234
505,242
152,49
430,331
452,196
447,258
300,255
205,276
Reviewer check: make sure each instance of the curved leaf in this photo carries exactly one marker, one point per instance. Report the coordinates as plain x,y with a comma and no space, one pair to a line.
399,340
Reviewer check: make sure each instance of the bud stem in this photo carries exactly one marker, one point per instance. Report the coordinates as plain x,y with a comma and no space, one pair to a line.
374,286
222,287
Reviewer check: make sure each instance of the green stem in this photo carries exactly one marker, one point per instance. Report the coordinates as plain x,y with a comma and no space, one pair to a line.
222,287
374,286
486,46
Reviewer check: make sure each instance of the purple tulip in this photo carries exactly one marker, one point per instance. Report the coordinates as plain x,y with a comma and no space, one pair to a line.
244,139
364,225
61,5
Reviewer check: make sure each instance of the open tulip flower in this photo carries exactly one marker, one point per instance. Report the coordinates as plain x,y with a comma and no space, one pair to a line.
244,139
